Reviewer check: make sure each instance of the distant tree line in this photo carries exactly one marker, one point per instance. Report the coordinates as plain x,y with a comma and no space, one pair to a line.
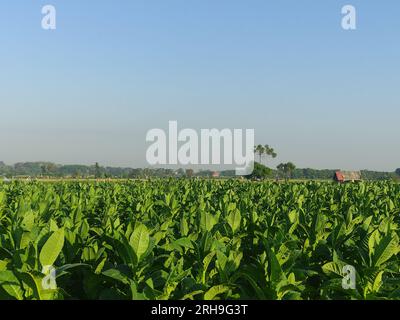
284,171
289,171
48,169
328,174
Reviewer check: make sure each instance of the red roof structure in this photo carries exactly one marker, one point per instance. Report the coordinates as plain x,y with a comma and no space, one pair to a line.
347,176
339,176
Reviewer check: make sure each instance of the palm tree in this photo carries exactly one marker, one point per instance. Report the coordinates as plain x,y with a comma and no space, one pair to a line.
259,149
269,151
290,167
97,170
287,169
281,167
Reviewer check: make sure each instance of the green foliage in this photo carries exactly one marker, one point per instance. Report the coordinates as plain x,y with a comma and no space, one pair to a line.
52,248
47,169
199,239
260,172
286,169
140,240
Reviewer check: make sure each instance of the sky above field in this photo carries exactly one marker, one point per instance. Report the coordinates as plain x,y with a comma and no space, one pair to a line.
89,91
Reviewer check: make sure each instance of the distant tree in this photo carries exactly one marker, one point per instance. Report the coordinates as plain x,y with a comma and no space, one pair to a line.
76,174
189,173
281,168
286,169
290,167
269,152
259,150
135,173
204,173
43,168
398,172
180,172
265,150
228,173
259,172
97,170
51,168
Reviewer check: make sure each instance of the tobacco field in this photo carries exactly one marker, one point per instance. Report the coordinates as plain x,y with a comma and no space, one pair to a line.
198,239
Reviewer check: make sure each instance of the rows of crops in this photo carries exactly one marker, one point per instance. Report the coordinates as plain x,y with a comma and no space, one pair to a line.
182,239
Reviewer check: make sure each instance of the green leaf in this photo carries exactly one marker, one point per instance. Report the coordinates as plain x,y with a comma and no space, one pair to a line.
3,197
36,282
53,225
184,227
207,221
63,269
334,268
190,296
234,219
100,266
25,240
3,265
374,238
222,259
293,216
134,292
140,240
215,291
377,282
276,273
10,283
206,262
29,221
184,242
52,248
116,275
367,223
387,247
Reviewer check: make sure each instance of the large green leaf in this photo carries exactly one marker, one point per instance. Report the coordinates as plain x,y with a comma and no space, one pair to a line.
333,268
206,262
207,221
215,291
276,272
28,221
377,282
11,285
234,219
184,228
2,197
52,248
140,240
116,275
387,247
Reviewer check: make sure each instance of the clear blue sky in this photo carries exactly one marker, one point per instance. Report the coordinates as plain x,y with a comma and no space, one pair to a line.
90,90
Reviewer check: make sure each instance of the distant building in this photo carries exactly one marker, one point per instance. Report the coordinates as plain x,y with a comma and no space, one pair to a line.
215,174
347,176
